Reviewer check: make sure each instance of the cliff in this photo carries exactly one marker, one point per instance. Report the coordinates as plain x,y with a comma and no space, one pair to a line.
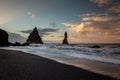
3,38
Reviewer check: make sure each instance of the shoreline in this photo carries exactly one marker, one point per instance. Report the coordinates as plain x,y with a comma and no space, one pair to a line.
98,67
22,66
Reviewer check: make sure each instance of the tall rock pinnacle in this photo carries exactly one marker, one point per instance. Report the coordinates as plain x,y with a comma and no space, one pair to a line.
65,41
34,37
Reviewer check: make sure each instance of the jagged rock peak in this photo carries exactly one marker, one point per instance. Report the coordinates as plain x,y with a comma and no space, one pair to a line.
34,37
35,31
65,41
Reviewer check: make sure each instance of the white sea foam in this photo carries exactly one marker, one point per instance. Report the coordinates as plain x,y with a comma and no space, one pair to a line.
72,55
74,51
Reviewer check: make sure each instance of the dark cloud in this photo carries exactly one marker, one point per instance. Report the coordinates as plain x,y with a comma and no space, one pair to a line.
27,31
102,2
115,8
42,32
48,30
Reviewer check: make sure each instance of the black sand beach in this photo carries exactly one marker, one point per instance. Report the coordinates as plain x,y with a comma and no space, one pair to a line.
16,65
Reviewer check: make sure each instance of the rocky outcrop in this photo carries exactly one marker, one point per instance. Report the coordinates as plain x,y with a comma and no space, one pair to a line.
17,44
34,37
95,46
3,38
65,41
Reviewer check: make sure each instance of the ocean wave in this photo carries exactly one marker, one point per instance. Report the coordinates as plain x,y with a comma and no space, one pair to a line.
105,54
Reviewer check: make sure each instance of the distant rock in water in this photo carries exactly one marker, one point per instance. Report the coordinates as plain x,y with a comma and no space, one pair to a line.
25,44
95,46
17,44
34,37
65,41
3,38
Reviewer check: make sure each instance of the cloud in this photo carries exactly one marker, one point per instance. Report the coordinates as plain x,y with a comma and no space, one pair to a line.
52,36
99,17
13,37
53,24
115,8
48,30
79,28
101,27
102,2
113,5
32,15
69,24
44,31
98,27
60,36
27,31
87,28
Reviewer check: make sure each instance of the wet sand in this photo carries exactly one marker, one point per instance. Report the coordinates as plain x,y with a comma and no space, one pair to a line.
16,65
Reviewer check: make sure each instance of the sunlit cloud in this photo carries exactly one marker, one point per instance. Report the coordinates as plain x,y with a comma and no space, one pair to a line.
99,17
69,24
80,28
104,25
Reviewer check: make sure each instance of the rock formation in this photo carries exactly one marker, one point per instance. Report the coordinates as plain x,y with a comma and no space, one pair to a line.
95,46
65,41
34,37
3,38
17,44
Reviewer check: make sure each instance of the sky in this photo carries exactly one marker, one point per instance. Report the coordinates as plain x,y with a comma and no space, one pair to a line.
86,21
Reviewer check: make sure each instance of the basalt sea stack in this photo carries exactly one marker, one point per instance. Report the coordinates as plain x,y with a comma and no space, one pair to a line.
65,41
3,38
34,37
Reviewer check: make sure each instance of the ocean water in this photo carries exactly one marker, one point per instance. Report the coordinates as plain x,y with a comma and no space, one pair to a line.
108,53
104,60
